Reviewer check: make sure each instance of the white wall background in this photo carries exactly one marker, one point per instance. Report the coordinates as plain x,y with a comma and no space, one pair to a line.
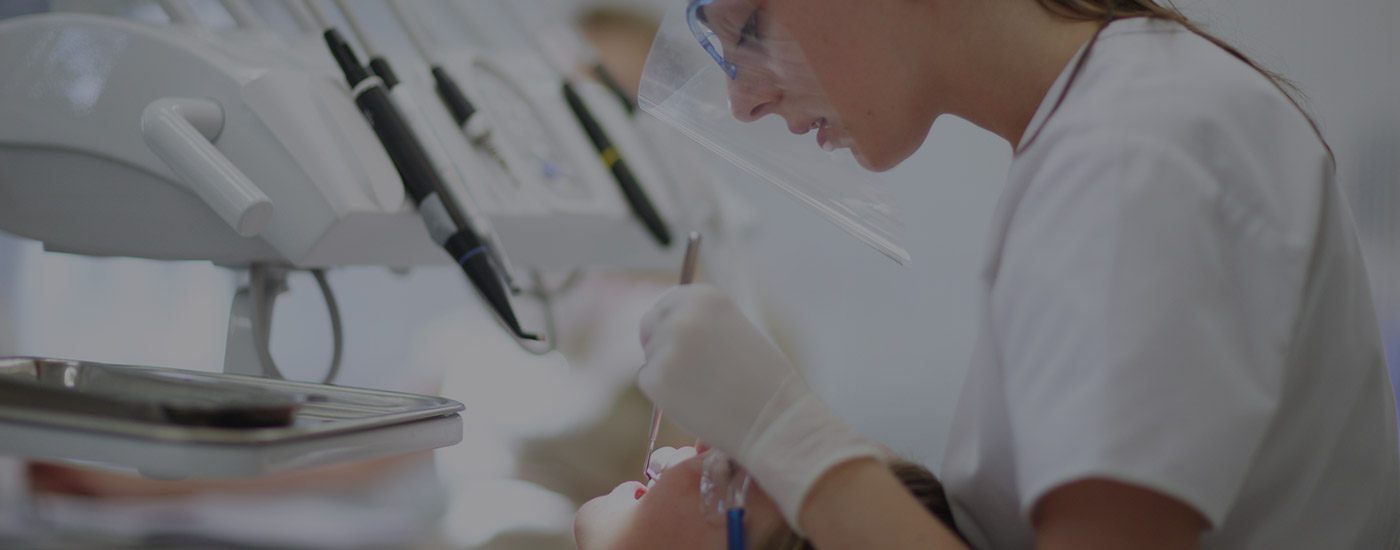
888,346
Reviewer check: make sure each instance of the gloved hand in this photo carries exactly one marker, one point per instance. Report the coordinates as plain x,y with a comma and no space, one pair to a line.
716,375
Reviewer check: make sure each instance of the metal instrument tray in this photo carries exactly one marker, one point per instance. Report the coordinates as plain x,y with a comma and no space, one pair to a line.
316,410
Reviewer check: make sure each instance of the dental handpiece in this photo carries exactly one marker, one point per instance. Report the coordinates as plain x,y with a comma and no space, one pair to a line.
446,221
637,198
692,258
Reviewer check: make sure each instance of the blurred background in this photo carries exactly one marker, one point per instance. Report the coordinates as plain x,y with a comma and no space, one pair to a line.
885,345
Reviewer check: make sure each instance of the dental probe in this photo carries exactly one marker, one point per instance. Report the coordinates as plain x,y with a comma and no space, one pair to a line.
692,258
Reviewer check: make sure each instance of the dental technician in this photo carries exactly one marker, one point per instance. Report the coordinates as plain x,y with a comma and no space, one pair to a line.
1178,346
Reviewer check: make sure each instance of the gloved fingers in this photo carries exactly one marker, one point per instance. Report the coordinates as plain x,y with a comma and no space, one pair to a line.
682,308
666,457
708,366
649,320
664,357
658,312
650,377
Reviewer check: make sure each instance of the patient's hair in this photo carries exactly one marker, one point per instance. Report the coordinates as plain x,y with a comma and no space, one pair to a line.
920,482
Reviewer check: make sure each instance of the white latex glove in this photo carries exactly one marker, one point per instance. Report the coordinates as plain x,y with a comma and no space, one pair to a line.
716,375
664,458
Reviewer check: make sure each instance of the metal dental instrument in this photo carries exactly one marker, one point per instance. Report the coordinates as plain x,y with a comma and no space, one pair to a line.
692,257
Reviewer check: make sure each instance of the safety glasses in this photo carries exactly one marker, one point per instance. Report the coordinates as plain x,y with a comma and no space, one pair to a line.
705,36
680,87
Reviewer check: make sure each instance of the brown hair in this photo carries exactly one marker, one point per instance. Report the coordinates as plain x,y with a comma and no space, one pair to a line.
917,479
1108,11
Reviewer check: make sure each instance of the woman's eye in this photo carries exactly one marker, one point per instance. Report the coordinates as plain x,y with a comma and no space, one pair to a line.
750,29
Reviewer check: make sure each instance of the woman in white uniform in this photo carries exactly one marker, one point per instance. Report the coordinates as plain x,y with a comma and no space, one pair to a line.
1178,346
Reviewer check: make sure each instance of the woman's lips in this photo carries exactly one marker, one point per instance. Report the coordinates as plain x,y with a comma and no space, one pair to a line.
632,488
824,133
798,129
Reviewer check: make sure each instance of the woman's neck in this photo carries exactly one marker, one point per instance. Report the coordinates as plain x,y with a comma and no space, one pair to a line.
1004,57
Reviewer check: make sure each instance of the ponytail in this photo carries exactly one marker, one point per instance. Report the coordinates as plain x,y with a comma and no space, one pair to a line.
1108,11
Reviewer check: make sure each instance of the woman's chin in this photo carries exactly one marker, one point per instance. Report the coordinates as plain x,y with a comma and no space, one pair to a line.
873,164
880,159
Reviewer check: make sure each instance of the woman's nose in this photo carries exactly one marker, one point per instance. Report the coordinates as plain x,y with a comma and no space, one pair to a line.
750,100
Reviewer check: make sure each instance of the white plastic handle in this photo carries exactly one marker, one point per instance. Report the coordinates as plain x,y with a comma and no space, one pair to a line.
180,131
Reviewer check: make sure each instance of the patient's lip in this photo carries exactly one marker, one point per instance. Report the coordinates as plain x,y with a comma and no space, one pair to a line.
633,488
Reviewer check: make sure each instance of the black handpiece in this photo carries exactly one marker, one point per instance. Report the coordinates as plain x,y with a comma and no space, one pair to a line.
636,197
452,96
610,81
380,67
449,229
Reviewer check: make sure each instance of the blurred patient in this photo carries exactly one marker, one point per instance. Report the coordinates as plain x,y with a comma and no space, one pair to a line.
669,514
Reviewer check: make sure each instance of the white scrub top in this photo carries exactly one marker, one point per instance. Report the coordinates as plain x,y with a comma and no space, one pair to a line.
1175,298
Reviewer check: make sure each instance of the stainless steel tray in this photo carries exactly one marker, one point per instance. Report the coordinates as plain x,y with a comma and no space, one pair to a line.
322,410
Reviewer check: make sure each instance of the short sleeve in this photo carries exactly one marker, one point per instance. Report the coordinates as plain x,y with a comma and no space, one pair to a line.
1142,322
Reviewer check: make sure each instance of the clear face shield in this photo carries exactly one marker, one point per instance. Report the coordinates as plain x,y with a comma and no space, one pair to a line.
717,71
